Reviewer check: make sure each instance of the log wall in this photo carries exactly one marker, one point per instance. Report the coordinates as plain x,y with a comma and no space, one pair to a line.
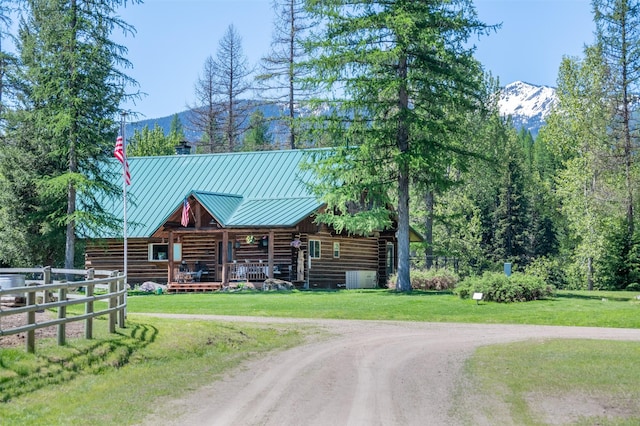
196,247
356,253
108,255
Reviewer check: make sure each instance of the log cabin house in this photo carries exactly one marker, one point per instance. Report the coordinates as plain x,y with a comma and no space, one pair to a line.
201,222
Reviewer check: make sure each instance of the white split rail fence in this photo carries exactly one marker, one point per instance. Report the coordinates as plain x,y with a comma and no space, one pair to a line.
116,293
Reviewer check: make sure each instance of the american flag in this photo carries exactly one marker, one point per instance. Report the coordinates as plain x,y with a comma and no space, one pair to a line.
185,213
119,154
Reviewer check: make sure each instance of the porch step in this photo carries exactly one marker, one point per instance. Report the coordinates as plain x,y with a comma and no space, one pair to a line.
193,287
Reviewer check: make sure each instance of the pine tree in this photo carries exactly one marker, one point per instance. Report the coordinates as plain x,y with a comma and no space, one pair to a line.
618,38
258,137
401,65
5,58
72,87
150,142
511,217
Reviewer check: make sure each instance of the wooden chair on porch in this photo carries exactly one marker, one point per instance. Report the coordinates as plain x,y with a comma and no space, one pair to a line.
182,274
201,269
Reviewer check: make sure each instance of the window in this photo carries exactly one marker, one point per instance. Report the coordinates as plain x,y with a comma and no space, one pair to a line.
314,249
390,257
177,252
336,250
230,252
158,252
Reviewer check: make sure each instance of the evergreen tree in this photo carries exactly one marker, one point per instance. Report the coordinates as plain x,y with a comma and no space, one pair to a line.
511,215
538,168
176,130
72,87
258,137
618,37
150,142
5,58
464,211
401,66
576,132
21,233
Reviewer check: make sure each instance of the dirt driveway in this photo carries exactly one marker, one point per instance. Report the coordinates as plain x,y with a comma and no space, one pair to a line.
363,373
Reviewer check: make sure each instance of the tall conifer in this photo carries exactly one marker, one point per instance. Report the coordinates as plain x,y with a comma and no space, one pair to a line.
396,69
72,87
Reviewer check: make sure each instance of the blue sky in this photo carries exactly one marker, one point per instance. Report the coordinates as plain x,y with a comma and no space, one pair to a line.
174,37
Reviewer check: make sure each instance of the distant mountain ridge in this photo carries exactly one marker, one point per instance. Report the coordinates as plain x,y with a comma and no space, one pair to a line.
527,104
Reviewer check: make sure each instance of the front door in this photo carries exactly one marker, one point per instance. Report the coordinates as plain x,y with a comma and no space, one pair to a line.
390,260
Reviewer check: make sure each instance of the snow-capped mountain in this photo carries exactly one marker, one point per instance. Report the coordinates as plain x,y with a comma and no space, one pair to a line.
527,104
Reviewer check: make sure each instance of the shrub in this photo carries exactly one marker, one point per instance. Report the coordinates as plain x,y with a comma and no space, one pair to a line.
633,287
552,271
497,287
432,279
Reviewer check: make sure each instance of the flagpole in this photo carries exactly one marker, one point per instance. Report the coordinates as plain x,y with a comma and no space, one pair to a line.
123,116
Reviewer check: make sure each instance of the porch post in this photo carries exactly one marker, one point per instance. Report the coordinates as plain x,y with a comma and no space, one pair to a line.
198,216
170,260
225,260
270,258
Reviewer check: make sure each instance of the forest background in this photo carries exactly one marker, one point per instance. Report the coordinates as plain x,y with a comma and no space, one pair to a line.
384,78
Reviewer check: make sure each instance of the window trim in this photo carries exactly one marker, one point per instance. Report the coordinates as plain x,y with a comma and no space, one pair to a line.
315,255
336,249
159,258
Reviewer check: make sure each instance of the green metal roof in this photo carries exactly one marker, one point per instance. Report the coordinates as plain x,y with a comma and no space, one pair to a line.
221,206
246,189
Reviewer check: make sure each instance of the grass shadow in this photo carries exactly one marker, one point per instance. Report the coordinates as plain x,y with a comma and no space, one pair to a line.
22,373
381,292
582,296
418,293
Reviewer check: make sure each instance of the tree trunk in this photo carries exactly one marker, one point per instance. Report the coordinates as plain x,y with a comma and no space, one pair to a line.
69,254
626,117
428,226
402,140
590,273
292,57
404,278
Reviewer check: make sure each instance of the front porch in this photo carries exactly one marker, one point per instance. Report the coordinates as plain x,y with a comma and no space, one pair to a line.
204,280
203,254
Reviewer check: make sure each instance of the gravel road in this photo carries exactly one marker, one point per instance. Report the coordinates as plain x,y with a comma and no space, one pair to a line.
359,373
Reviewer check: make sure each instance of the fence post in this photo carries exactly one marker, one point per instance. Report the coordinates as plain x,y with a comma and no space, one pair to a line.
46,279
31,319
122,286
62,313
88,307
113,300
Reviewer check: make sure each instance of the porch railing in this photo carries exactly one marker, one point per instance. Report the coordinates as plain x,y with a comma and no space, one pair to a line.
248,271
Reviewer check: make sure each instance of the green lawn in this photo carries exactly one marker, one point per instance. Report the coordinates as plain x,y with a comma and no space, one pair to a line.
121,378
566,377
117,379
620,309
